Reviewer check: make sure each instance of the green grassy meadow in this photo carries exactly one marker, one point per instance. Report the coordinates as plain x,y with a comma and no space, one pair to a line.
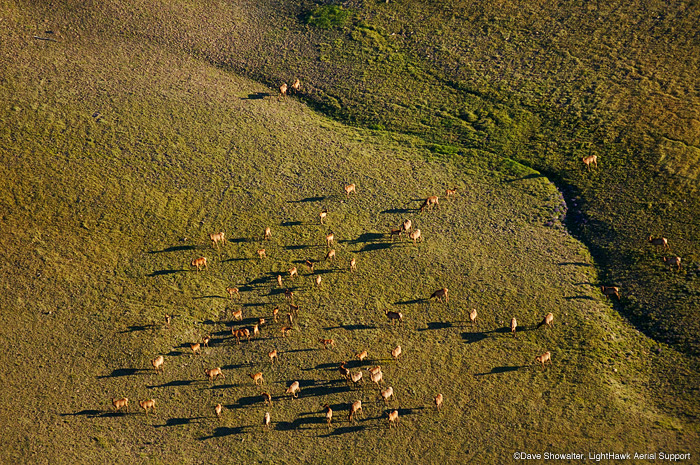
131,131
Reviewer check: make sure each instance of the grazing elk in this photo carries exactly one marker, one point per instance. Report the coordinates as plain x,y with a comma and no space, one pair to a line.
472,316
330,237
415,235
590,160
218,409
216,238
544,358
205,341
350,189
213,373
330,255
293,272
438,401
329,415
353,265
233,291
440,295
310,265
288,294
168,319
268,234
657,241
547,320
275,312
119,404
386,394
294,309
296,85
283,91
396,353
257,377
322,216
273,356
267,398
376,377
394,418
406,226
158,363
293,389
673,261
609,291
147,405
450,192
237,314
395,233
430,202
361,355
394,316
355,410
375,370
199,263
196,348
261,253
327,343
285,330
344,372
356,378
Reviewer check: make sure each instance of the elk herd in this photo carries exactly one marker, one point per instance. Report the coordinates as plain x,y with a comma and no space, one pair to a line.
351,377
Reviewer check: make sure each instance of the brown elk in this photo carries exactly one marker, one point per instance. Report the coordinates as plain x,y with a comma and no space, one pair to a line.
356,377
329,415
148,404
406,226
119,404
267,398
296,85
386,394
218,409
415,236
257,377
361,355
472,316
350,189
395,233
268,234
330,255
590,160
310,265
394,316
376,377
657,241
440,295
396,353
438,401
214,373
279,280
289,295
266,418
394,418
293,272
355,410
261,253
158,363
273,356
196,348
547,320
327,343
673,261
205,341
544,358
513,325
168,319
285,330
344,372
353,265
330,237
237,314
322,216
293,389
430,202
216,238
283,91
294,309
275,312
199,263
233,291
610,291
450,192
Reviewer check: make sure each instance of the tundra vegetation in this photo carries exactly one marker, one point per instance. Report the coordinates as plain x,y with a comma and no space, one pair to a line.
130,131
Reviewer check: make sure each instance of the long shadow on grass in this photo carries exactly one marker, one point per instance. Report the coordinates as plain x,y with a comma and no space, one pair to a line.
292,223
135,328
358,327
470,338
309,199
165,272
376,246
399,210
343,430
177,248
257,96
178,421
503,369
437,325
87,413
126,372
176,383
223,431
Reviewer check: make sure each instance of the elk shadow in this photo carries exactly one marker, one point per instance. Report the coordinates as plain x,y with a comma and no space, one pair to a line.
398,210
292,223
87,413
223,431
135,328
503,369
438,325
344,430
376,246
165,272
257,96
176,248
355,327
470,338
365,238
175,383
309,199
301,247
410,302
125,372
178,421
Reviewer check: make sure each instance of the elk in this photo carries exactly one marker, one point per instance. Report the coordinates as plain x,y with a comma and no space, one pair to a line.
361,355
214,373
610,291
293,389
168,319
268,234
472,316
279,281
353,265
296,85
261,253
330,255
199,263
318,281
309,264
121,404
288,294
430,202
394,418
196,348
233,291
329,415
275,312
256,330
438,401
218,409
266,418
415,235
356,377
450,192
290,319
355,409
395,232
513,325
261,322
374,370
158,363
547,320
237,314
283,91
344,372
257,377
396,353
406,226
377,377
350,188
273,356
294,309
440,295
285,330
329,240
544,358
267,398
327,343
216,238
590,160
293,272
205,341
671,261
148,404
239,333
657,241
386,394
394,316
322,215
